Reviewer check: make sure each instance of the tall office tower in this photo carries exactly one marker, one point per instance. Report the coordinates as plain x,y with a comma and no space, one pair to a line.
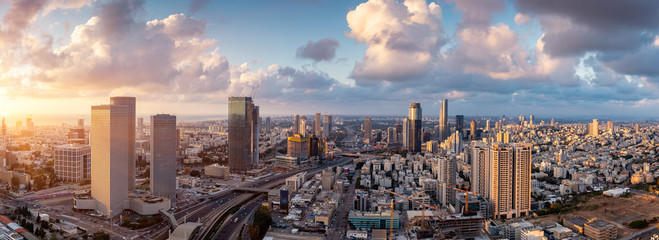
552,122
267,124
296,124
594,130
327,125
522,179
317,126
130,156
459,122
456,142
303,126
487,125
636,129
447,172
140,127
416,127
368,131
163,156
480,168
609,126
531,120
73,163
19,125
398,128
243,133
443,121
29,124
81,123
111,165
406,133
472,130
521,119
501,179
256,129
391,135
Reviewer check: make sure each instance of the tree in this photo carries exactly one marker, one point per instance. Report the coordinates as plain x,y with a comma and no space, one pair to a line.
195,173
101,236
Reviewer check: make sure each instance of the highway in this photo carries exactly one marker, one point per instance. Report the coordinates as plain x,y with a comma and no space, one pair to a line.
235,222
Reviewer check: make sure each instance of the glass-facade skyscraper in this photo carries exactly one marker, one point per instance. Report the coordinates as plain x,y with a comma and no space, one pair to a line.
163,156
443,121
416,127
243,134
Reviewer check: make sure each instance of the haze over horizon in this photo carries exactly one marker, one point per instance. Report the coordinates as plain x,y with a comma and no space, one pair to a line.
342,57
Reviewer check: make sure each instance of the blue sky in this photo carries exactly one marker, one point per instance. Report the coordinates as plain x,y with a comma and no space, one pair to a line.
488,57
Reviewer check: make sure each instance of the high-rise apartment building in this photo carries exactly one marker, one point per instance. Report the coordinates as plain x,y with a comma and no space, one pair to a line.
267,124
391,135
480,168
609,126
368,130
317,126
416,127
503,137
111,166
73,163
303,126
594,128
163,156
399,131
522,182
406,133
140,127
4,128
531,120
443,121
81,123
447,177
243,133
459,123
327,125
129,102
510,179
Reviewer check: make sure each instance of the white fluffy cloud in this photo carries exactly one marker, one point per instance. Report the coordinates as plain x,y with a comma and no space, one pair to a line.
402,39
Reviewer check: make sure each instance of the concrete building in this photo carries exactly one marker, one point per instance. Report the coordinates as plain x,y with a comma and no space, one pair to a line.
296,124
298,147
459,123
73,163
415,127
317,125
600,230
327,125
480,168
533,233
129,102
216,170
522,179
163,156
472,130
295,182
447,177
374,220
327,180
406,133
111,147
243,134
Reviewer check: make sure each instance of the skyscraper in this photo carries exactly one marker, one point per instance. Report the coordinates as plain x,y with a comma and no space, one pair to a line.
367,130
243,133
531,120
140,127
501,179
594,128
609,126
472,130
443,121
296,124
510,179
416,127
72,162
480,168
327,125
129,102
303,126
406,133
391,135
111,166
163,156
317,126
4,128
459,123
399,131
522,183
81,123
267,124
447,177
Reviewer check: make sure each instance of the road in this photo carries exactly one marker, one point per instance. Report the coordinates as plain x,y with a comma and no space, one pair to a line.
337,230
236,221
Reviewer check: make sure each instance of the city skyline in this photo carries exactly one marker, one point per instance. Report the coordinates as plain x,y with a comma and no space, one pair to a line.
336,61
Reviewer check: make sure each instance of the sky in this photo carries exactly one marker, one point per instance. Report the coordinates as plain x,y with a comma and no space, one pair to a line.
562,58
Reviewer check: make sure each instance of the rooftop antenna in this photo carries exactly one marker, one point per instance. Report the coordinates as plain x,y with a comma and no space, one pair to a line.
254,88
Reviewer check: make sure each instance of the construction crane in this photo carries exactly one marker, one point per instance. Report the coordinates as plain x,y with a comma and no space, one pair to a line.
423,212
466,195
391,222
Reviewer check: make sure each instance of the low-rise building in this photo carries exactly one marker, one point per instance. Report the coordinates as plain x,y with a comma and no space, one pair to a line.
600,230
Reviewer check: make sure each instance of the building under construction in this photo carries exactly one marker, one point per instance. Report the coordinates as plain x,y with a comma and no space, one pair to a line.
441,225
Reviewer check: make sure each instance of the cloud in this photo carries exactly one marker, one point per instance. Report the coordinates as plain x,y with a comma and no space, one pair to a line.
323,50
574,27
521,18
19,15
65,4
643,62
402,39
478,13
196,5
